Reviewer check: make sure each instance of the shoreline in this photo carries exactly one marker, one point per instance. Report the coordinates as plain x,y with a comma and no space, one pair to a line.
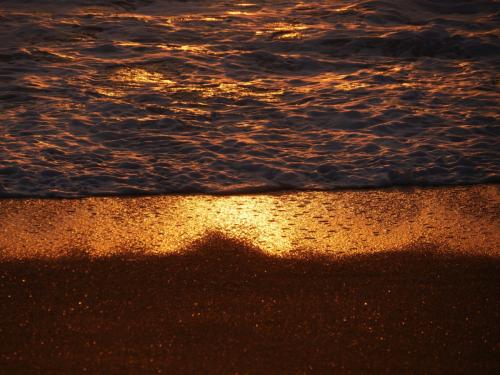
252,191
458,219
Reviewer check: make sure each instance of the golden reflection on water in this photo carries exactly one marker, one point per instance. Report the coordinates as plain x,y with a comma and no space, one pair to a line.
244,5
214,87
283,30
186,48
127,43
340,223
109,92
138,77
237,13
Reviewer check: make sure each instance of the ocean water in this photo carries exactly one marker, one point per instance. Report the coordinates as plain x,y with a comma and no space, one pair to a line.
150,96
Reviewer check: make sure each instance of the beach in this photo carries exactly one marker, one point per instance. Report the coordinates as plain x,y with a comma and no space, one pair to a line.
218,303
461,219
255,187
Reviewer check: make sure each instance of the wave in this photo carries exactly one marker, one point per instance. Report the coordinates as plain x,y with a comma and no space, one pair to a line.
150,97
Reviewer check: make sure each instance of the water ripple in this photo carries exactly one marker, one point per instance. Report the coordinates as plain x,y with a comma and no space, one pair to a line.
119,97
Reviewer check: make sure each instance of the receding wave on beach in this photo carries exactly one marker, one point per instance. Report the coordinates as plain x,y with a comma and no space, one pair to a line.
119,97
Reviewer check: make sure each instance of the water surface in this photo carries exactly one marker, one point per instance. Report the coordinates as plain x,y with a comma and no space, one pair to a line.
119,97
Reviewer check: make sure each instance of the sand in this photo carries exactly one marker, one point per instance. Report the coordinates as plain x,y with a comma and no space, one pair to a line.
463,219
223,305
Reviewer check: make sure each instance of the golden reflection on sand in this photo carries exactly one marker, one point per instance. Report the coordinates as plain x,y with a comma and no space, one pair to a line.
463,219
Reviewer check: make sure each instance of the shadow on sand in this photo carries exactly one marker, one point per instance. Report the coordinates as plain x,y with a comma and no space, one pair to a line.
224,307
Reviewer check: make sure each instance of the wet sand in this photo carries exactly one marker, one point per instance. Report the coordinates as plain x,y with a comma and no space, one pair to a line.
464,219
223,305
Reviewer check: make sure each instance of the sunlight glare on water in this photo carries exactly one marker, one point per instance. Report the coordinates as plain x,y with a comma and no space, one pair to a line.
138,96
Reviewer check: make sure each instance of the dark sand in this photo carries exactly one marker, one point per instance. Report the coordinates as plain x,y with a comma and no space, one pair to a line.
225,307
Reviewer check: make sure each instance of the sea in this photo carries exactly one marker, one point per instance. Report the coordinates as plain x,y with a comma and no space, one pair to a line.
125,97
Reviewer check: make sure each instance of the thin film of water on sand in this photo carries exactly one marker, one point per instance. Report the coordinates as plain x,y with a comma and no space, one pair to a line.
289,224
